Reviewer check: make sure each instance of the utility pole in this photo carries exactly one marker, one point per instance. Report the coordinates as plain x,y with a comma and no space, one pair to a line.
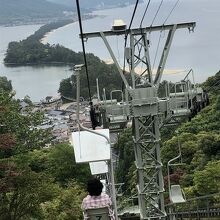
146,111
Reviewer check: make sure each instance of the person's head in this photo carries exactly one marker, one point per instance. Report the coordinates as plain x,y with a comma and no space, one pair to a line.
94,187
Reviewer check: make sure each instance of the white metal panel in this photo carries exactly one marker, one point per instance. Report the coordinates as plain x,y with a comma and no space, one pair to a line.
98,167
98,213
176,194
89,147
104,185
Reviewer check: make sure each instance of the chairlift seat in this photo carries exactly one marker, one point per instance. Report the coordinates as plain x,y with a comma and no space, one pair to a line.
176,195
119,118
116,109
181,112
179,94
116,113
98,213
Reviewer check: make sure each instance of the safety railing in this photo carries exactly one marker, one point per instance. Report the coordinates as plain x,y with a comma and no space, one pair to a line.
200,207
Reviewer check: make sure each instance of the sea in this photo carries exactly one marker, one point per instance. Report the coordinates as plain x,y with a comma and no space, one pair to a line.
198,50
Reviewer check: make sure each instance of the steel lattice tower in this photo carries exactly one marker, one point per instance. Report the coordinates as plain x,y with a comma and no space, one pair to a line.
146,111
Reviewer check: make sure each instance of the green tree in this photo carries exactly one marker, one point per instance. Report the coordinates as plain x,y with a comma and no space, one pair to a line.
66,88
62,165
5,84
209,143
57,162
188,147
207,181
67,206
125,172
28,190
217,105
23,127
21,190
108,76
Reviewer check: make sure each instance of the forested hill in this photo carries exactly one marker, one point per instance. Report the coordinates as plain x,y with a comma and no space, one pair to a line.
18,12
32,51
28,11
95,4
200,145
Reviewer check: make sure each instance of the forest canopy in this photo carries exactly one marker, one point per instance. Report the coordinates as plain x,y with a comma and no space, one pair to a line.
32,51
200,146
36,182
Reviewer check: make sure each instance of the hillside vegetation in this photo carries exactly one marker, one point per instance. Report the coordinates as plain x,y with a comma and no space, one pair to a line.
200,145
36,182
94,4
14,12
32,51
18,12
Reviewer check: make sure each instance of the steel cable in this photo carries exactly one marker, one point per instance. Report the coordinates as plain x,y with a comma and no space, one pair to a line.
171,11
126,35
145,13
83,47
157,12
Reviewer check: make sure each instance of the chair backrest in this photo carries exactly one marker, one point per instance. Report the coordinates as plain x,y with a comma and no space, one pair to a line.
176,195
98,213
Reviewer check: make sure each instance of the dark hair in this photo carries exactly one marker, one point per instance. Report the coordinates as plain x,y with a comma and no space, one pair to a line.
94,187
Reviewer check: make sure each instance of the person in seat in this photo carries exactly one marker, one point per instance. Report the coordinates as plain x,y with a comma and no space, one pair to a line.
96,199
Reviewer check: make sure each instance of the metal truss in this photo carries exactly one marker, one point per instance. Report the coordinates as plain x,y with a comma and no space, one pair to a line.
149,167
146,111
139,46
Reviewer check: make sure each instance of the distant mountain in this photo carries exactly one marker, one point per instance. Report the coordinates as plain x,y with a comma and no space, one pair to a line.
17,12
94,4
70,3
28,11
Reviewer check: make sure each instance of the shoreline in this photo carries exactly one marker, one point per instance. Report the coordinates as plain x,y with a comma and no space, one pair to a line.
22,24
43,21
43,40
34,22
36,64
